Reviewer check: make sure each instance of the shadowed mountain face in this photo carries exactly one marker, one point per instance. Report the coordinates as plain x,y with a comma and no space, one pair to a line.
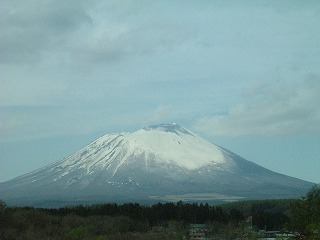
158,163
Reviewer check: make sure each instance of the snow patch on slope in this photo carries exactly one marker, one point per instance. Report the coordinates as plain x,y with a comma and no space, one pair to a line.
166,144
177,147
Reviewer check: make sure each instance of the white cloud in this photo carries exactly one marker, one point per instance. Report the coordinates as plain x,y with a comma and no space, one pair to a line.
281,109
161,113
102,56
124,31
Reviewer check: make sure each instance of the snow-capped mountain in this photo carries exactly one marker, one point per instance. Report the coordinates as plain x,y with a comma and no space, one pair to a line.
161,162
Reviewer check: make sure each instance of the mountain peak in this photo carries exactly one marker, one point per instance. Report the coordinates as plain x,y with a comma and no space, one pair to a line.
168,127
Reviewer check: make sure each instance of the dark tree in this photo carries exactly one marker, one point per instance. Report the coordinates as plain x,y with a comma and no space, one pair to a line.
235,215
306,212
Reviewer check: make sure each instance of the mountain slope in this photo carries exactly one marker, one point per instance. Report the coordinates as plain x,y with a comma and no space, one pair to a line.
161,162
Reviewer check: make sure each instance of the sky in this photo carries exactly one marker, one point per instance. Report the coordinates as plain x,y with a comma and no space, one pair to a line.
244,75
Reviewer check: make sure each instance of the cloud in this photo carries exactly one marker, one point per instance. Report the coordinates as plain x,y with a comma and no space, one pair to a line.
120,61
88,32
124,32
289,108
161,113
28,29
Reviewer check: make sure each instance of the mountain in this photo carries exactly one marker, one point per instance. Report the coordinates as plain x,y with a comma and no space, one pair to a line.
158,163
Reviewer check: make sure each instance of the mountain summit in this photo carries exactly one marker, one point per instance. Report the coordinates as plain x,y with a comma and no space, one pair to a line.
161,162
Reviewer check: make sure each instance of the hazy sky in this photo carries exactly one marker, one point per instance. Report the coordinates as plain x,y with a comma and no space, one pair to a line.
242,74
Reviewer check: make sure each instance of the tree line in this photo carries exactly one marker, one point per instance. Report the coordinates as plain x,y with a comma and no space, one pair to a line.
111,220
156,213
136,221
265,214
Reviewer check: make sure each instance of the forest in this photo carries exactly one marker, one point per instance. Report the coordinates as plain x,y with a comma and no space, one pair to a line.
238,220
